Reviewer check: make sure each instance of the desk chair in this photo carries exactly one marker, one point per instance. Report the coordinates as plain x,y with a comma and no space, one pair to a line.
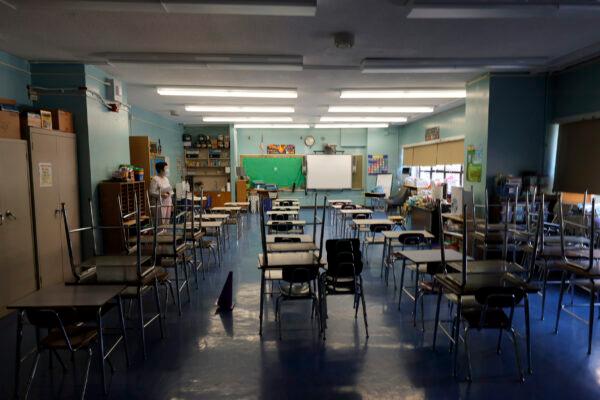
343,275
374,237
490,314
486,236
360,230
405,241
296,284
64,333
174,253
583,273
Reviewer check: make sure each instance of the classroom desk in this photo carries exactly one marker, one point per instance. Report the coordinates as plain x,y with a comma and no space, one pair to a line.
345,214
303,238
330,202
57,297
453,284
278,201
293,214
296,224
285,208
291,247
390,236
235,212
279,261
366,224
487,266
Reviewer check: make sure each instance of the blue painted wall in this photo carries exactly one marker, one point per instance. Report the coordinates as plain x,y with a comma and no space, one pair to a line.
15,75
146,123
576,92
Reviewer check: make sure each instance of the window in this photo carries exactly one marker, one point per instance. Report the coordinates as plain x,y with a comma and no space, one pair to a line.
452,174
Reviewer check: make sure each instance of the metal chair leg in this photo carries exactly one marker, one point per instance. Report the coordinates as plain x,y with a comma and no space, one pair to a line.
560,301
498,346
31,375
141,320
544,287
591,320
401,283
468,353
517,355
87,373
158,309
364,307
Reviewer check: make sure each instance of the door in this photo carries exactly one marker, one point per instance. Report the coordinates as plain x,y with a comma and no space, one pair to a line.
45,183
17,266
69,194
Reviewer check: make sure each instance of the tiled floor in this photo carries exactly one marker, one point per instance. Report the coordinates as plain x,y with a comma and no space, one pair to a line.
206,355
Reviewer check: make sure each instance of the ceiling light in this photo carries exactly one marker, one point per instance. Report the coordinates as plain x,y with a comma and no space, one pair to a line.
495,10
343,126
290,8
240,109
227,92
272,126
448,65
369,109
404,94
235,62
364,119
247,119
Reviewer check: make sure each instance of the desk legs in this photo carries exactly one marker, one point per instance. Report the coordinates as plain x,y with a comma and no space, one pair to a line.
123,329
437,318
101,348
262,294
383,256
457,335
18,352
528,334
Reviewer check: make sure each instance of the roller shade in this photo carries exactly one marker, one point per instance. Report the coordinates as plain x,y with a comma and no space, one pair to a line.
577,160
408,156
425,155
450,152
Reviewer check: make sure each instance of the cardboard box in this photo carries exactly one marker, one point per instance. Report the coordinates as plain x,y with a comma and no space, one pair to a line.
30,119
62,121
9,125
46,119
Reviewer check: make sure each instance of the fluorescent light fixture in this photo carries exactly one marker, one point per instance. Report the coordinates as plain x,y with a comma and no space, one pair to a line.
404,94
272,126
448,65
494,10
343,126
384,109
364,119
289,8
227,92
240,109
247,119
235,62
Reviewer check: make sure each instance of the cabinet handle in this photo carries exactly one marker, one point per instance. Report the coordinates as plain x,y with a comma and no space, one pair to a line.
9,215
1,219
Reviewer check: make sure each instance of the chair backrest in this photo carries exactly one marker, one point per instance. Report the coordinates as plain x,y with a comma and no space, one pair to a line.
299,274
286,203
378,228
499,296
68,232
411,239
347,206
280,239
361,216
344,257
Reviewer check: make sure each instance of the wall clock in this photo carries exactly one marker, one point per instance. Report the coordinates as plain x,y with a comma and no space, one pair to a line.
309,141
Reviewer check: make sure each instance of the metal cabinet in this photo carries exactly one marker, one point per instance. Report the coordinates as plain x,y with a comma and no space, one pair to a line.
17,263
54,180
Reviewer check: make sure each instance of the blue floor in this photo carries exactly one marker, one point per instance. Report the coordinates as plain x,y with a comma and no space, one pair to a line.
208,356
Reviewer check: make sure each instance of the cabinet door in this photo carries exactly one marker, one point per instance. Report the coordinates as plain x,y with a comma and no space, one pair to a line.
68,186
44,169
17,265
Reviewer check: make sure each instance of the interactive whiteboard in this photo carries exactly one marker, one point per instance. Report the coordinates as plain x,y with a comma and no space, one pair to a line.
328,171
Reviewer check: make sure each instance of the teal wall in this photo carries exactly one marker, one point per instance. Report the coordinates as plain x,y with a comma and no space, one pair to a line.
576,91
450,122
351,141
146,123
15,75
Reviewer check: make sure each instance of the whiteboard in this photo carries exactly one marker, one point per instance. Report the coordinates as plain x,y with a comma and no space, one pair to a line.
328,171
385,181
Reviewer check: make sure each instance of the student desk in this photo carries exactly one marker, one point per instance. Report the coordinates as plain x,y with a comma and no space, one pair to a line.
57,297
296,225
348,214
278,201
454,284
390,236
303,238
234,212
290,213
285,208
279,261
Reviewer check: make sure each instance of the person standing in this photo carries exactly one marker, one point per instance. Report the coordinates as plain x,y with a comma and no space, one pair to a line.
161,191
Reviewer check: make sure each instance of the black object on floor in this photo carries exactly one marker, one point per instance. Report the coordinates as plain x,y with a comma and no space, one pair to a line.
225,301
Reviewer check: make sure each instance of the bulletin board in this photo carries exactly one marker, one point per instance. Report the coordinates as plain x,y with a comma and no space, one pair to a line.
378,164
282,171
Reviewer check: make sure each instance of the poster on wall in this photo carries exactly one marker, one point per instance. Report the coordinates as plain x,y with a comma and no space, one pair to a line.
281,149
432,133
474,163
378,164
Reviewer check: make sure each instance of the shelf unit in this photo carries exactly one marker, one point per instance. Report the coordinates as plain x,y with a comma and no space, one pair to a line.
209,167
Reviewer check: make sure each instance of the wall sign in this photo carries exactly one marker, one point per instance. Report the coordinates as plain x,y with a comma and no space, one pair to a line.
474,163
432,133
281,149
45,170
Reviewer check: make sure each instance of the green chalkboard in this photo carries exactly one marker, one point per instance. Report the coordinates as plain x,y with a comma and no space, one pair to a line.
281,171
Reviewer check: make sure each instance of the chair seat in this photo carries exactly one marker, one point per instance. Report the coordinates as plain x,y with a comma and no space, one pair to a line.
467,301
80,336
490,237
167,250
298,290
494,318
580,270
